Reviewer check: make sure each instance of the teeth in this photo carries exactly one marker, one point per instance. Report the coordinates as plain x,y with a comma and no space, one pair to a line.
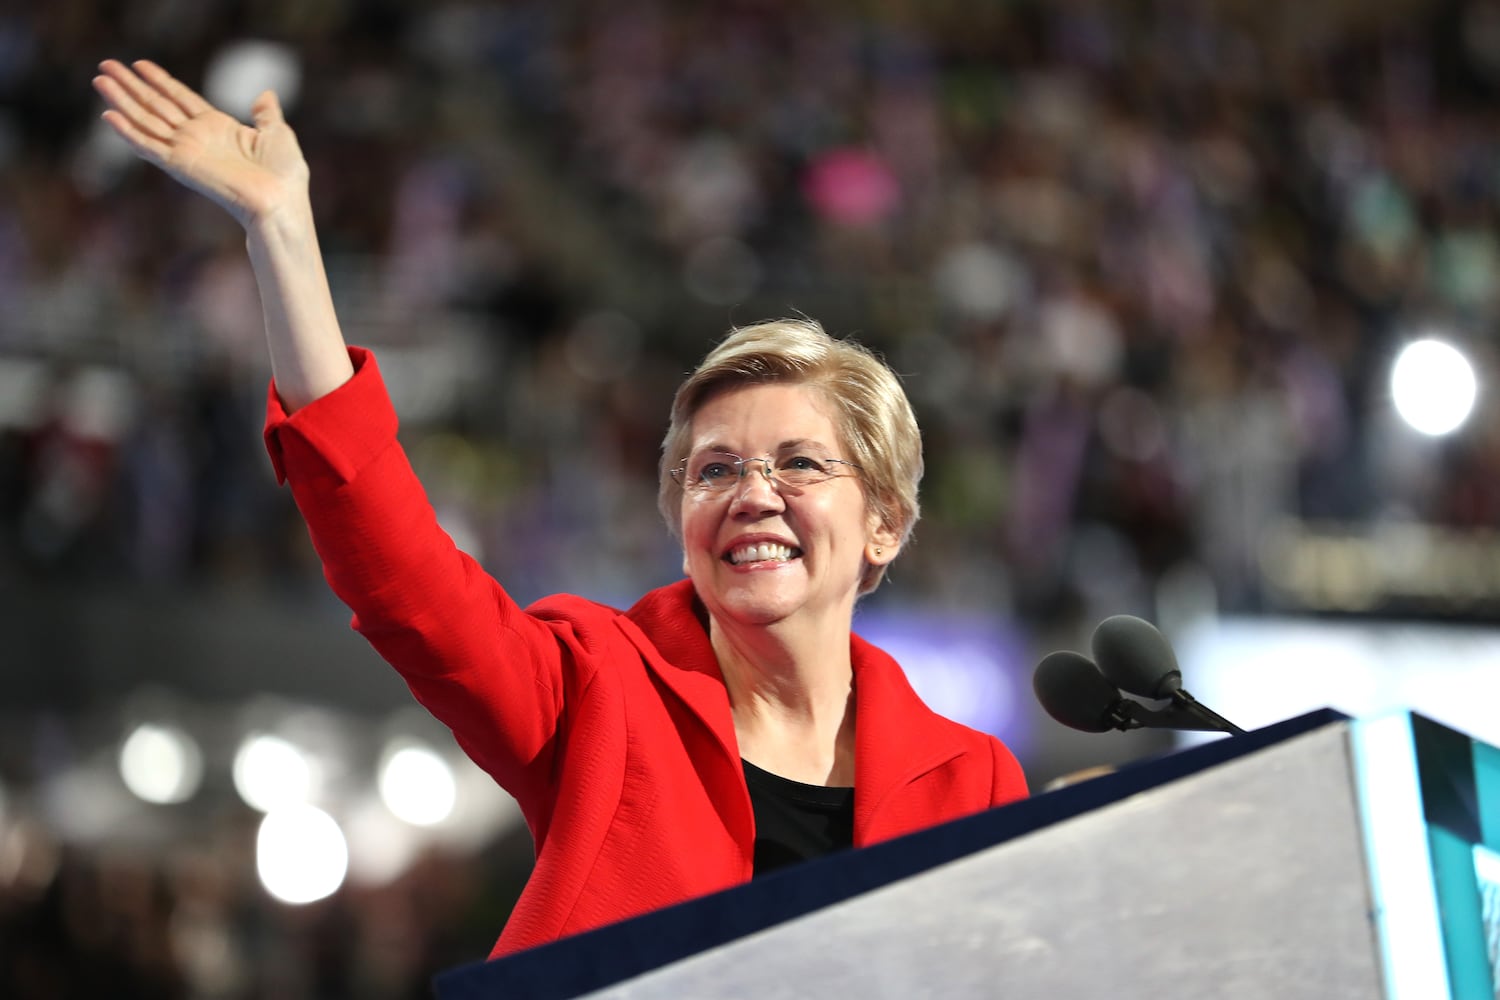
761,552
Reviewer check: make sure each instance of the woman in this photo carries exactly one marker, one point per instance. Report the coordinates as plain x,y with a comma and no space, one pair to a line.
725,724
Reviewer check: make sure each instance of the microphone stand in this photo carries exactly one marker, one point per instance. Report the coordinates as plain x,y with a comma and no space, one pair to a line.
1212,721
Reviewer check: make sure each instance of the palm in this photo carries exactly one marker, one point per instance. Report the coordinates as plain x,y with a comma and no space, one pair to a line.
241,168
249,170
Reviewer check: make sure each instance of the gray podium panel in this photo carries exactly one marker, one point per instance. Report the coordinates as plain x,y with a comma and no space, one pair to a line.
1247,880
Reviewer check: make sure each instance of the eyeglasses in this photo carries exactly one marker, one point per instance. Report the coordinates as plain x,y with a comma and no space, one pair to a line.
716,473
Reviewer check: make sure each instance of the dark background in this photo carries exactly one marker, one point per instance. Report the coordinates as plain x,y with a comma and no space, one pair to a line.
1144,267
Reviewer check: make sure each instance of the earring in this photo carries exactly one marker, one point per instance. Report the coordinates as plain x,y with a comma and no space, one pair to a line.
879,551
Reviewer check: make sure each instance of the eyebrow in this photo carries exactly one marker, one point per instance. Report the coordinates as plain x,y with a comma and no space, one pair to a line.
785,446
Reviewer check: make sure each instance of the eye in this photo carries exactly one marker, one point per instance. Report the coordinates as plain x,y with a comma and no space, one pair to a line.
715,471
802,463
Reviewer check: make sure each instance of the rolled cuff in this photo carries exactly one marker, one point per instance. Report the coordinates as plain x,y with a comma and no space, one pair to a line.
336,435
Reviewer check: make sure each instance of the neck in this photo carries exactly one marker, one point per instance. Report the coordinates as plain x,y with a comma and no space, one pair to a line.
792,698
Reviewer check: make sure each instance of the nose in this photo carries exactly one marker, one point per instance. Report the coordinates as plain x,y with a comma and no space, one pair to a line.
766,470
760,493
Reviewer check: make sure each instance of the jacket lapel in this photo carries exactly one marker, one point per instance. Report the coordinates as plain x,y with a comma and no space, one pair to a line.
668,630
897,740
667,627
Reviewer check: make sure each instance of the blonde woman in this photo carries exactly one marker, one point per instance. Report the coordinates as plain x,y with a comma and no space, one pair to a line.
726,724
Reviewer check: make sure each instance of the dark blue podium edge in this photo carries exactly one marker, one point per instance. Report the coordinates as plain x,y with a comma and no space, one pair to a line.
609,955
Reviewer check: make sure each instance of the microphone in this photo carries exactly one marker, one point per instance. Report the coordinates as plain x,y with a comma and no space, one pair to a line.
1074,692
1134,655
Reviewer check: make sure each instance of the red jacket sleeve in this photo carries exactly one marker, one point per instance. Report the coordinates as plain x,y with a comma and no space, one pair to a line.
495,675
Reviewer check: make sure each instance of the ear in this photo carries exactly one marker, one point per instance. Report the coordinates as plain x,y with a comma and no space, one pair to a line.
685,570
883,543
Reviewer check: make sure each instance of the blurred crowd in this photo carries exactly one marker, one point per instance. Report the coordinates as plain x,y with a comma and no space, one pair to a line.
121,923
1142,264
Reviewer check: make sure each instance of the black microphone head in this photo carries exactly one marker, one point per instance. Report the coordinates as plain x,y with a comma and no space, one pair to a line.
1134,654
1074,692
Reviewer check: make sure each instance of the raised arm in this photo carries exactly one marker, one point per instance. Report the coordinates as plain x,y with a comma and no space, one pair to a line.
257,173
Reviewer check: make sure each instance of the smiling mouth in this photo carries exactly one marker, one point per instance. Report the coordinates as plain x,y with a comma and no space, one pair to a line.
761,552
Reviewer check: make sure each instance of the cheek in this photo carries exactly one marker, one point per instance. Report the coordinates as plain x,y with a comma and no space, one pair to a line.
852,520
697,527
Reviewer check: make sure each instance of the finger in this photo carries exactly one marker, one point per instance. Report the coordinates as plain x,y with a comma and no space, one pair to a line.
148,95
146,146
186,98
266,111
142,120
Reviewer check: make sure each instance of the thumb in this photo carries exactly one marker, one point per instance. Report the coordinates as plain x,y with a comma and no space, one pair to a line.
266,111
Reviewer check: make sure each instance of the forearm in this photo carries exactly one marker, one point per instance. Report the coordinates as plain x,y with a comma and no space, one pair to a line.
490,672
485,668
308,355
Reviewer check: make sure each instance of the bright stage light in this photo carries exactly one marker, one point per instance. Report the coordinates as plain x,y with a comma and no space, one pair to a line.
418,785
381,847
300,854
1433,386
270,772
238,72
161,764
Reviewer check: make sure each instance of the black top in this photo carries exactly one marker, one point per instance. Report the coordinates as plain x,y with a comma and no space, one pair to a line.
796,822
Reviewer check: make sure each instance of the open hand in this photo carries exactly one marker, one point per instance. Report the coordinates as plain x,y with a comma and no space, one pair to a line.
251,170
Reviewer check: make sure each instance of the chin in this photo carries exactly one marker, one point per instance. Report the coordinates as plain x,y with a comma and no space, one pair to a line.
755,601
756,610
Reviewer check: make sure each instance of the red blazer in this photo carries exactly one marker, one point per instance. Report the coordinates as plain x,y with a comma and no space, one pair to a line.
611,729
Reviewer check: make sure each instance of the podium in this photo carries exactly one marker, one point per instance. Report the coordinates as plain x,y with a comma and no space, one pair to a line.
1322,857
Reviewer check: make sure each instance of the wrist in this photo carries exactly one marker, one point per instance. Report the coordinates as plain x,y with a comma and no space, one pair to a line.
286,224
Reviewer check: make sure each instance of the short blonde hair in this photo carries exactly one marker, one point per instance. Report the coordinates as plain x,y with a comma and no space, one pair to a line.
875,420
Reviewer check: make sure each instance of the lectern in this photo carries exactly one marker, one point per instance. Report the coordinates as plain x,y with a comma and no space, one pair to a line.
1322,857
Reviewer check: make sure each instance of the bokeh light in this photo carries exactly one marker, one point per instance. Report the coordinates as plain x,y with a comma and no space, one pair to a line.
239,72
161,764
381,846
300,854
1433,386
270,772
417,785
